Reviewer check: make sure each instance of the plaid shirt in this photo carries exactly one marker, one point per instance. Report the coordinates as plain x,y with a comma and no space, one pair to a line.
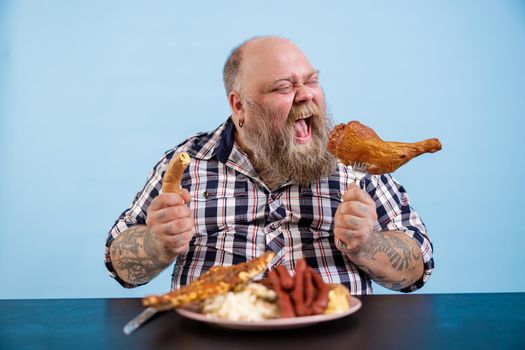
237,218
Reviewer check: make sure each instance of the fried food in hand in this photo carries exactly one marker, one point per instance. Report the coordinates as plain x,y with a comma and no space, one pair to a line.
173,175
357,143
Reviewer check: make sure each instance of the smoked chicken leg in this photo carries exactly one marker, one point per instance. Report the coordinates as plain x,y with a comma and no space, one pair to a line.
357,143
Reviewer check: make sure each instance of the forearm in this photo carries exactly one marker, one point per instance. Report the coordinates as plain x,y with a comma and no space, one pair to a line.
391,258
137,256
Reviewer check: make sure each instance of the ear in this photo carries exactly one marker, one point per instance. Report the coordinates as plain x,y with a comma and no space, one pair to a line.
236,105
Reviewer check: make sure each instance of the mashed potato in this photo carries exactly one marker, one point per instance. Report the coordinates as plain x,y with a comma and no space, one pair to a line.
253,303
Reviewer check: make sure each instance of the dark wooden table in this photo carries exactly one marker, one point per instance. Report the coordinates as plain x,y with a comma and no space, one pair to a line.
419,321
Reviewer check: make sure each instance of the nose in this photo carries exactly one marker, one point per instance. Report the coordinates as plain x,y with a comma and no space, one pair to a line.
304,94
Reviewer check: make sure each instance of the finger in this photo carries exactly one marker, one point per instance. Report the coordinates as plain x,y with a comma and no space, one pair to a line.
178,250
168,214
185,194
179,240
346,246
178,226
351,239
351,192
343,236
349,222
164,200
348,226
354,193
356,208
349,232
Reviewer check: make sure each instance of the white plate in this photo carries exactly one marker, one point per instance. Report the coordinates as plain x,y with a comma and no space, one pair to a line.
277,323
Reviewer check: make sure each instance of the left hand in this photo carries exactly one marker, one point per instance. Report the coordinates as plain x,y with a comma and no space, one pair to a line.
355,219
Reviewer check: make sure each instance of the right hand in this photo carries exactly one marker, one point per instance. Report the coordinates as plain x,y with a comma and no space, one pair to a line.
355,220
170,221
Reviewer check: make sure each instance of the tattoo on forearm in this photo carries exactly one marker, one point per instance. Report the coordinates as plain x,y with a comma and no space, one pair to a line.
400,254
384,281
136,255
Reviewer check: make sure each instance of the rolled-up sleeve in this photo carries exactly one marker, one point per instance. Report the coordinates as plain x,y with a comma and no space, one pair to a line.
394,213
135,214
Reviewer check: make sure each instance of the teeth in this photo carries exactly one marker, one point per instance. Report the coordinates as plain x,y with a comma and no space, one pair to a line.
303,117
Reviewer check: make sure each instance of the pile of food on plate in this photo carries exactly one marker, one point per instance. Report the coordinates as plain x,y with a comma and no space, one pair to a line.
230,292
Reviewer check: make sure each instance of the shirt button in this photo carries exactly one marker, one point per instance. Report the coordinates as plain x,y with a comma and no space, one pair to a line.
205,194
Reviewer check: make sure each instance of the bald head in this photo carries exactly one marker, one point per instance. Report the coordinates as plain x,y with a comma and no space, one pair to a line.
251,53
278,111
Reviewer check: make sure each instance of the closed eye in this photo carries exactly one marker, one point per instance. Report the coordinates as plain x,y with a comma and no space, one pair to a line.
313,79
312,82
283,89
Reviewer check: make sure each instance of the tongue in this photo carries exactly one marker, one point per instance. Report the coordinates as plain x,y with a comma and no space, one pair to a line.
301,130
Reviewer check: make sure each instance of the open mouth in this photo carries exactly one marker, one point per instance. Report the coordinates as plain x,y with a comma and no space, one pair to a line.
303,129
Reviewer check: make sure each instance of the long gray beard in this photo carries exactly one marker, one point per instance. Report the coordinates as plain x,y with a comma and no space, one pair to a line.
275,154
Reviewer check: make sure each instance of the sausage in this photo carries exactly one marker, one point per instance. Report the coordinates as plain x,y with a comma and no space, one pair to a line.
308,291
321,301
173,174
285,278
283,299
298,292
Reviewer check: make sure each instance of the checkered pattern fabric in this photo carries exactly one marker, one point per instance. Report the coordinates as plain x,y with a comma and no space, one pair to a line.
237,218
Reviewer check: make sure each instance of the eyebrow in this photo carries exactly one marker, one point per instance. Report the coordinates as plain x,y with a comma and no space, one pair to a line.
290,77
308,76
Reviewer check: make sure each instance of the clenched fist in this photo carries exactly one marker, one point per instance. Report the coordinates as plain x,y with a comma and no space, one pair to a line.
171,222
354,219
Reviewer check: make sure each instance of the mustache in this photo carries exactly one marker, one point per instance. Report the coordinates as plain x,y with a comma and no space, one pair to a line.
301,111
270,138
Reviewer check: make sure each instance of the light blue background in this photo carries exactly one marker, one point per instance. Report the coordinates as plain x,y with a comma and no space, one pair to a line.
93,92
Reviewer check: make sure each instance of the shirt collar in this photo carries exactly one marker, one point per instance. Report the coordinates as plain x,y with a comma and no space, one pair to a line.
225,144
218,142
221,144
230,154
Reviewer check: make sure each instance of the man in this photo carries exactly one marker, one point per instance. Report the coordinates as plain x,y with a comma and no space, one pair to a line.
264,180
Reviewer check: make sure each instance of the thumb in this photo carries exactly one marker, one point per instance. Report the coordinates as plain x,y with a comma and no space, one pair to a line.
185,194
351,192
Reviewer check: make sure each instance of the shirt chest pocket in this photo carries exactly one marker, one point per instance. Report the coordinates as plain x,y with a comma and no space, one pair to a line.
318,209
217,211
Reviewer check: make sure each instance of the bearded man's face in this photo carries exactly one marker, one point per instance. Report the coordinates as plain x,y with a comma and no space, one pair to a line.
289,147
281,105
